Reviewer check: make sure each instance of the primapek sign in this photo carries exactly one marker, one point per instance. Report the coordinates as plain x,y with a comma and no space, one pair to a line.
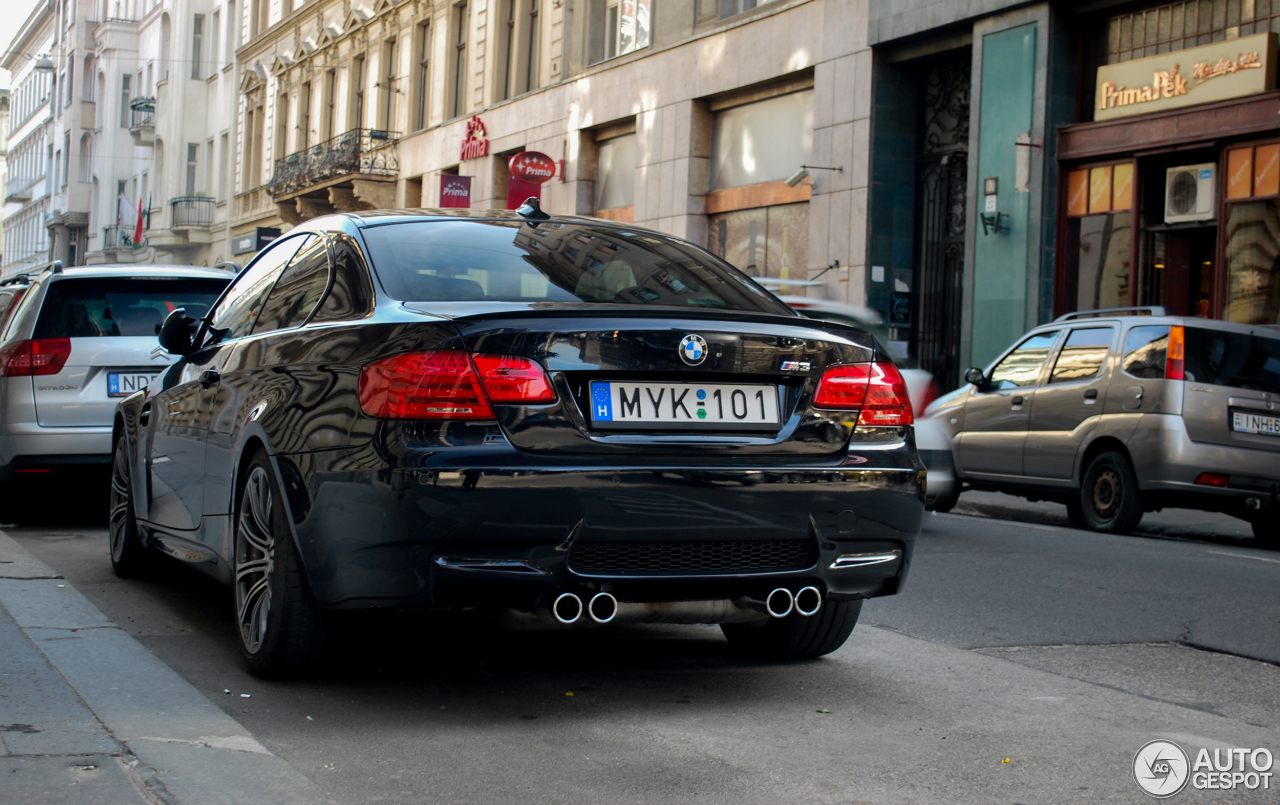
1216,72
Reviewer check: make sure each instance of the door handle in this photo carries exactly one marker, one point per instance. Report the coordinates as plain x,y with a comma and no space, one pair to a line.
209,377
1016,401
145,414
1091,394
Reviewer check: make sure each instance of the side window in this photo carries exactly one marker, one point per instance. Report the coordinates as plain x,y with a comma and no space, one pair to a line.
1022,366
1083,355
1145,349
298,290
239,309
352,294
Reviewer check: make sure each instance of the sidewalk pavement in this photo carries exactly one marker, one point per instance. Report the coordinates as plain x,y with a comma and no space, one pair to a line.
87,715
1169,523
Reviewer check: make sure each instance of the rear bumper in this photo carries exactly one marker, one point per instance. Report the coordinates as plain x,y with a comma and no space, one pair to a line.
29,440
1168,461
497,535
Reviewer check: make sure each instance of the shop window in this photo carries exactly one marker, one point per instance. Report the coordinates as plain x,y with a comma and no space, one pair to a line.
1252,235
759,142
1099,236
616,177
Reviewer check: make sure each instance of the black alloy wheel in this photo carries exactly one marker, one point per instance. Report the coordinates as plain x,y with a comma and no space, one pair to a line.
129,557
796,637
282,632
1109,497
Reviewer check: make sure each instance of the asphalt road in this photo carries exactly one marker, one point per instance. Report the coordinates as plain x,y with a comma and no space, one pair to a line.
1061,650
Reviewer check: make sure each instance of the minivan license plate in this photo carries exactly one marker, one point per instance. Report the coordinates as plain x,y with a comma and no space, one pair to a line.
122,384
1242,422
684,406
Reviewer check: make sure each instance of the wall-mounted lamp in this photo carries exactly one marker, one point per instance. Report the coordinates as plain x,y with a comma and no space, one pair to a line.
802,174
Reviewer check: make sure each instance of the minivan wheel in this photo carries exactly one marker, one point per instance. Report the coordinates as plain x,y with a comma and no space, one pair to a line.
796,637
282,632
129,557
1109,499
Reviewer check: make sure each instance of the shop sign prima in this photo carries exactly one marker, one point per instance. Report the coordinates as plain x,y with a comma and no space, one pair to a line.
534,167
475,143
1216,72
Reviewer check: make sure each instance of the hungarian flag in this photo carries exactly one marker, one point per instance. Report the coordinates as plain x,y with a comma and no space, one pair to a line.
128,215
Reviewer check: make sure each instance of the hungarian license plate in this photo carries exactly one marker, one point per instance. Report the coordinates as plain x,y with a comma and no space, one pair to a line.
122,384
1243,422
684,406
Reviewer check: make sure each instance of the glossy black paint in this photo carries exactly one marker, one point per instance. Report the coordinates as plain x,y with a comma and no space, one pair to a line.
377,505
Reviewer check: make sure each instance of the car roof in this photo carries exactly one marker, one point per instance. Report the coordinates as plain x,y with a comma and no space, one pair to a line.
135,271
1130,321
379,217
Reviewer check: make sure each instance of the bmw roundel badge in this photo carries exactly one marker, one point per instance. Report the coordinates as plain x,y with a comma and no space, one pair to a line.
693,349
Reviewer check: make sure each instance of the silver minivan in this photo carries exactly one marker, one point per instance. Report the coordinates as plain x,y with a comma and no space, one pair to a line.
76,341
1116,413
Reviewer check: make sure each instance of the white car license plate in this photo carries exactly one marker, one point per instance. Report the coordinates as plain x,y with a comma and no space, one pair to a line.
684,406
122,384
1242,422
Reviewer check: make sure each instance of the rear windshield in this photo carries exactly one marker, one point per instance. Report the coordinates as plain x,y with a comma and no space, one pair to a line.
1238,360
453,261
89,308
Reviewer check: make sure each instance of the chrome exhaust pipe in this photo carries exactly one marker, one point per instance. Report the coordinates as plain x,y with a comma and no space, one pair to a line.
808,601
567,608
602,608
779,602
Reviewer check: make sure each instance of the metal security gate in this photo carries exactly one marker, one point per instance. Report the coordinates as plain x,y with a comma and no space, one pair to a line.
942,169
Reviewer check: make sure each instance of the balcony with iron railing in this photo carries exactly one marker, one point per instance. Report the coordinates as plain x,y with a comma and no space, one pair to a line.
359,152
142,120
119,237
19,188
192,212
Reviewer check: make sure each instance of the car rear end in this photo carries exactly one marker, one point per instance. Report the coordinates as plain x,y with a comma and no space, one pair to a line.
80,340
616,418
1211,434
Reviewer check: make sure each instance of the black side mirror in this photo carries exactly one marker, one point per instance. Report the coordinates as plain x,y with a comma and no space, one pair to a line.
973,375
177,333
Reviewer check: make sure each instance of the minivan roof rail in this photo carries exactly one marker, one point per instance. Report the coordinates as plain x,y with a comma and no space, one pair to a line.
1148,310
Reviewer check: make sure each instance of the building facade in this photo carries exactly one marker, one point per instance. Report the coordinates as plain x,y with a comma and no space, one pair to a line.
4,160
687,116
161,82
30,183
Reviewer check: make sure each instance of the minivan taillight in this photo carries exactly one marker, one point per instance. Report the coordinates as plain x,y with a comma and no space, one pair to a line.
1173,362
445,384
876,390
45,356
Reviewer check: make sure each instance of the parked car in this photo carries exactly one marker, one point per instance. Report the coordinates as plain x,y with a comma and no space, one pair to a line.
74,342
562,421
1119,412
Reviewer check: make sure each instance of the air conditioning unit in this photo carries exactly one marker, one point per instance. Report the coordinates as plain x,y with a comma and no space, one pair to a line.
1190,193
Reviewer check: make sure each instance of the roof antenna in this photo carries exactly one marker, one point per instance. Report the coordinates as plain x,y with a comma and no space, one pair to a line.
531,212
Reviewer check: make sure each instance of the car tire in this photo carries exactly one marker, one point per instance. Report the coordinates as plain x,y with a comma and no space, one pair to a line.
946,501
1266,528
796,637
282,632
129,557
1109,497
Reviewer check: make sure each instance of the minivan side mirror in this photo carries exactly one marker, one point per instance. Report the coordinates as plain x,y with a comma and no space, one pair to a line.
974,376
177,333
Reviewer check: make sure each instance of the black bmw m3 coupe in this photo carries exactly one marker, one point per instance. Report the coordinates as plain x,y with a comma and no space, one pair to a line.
563,421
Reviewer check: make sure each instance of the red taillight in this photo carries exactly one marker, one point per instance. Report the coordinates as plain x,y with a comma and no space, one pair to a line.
445,384
1173,362
508,379
1212,479
26,358
876,390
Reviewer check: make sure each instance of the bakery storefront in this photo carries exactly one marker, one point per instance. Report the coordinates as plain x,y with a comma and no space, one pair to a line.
1171,195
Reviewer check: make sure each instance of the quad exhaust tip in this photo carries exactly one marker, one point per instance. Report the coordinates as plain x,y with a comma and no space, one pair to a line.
567,608
779,602
808,601
602,608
